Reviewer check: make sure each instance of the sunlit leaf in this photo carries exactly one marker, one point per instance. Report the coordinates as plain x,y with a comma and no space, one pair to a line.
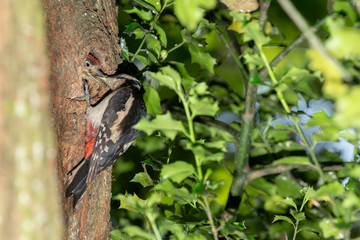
164,123
135,231
171,190
330,189
142,178
343,41
152,101
204,155
168,77
333,75
253,32
347,115
290,202
177,171
205,106
329,228
130,202
298,216
254,61
293,160
144,15
150,4
153,43
200,56
161,34
296,74
283,218
190,12
344,6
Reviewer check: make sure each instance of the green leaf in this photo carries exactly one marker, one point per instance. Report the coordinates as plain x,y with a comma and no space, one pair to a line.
190,12
142,178
254,61
181,194
143,62
293,160
152,101
287,186
309,194
168,77
164,123
346,7
187,81
296,74
330,189
219,144
341,36
161,34
347,115
151,56
200,89
135,231
329,228
195,236
117,235
139,33
153,43
205,106
144,15
203,154
149,4
204,28
253,32
299,216
154,3
124,49
130,202
283,218
130,28
200,56
255,79
290,202
177,171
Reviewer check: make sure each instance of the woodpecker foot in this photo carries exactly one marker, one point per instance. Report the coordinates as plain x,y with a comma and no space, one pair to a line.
86,97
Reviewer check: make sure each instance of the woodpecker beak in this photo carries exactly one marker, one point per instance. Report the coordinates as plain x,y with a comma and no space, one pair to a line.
94,75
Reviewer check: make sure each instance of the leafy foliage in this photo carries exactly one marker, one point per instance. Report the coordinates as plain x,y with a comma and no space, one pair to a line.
299,173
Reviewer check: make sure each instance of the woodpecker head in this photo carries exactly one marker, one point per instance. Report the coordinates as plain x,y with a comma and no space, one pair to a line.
92,69
92,72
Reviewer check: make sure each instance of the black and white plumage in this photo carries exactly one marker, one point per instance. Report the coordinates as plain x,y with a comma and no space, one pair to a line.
109,126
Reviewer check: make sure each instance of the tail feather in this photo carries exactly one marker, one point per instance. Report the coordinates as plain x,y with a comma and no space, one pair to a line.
78,185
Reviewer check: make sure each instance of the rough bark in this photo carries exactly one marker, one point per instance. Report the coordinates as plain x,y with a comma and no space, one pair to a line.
75,29
29,203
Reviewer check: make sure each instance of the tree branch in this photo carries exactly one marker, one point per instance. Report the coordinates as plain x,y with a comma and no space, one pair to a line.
242,145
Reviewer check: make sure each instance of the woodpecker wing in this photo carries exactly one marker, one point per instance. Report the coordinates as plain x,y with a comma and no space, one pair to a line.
116,134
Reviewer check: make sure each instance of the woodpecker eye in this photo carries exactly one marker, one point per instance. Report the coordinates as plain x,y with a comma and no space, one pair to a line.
87,64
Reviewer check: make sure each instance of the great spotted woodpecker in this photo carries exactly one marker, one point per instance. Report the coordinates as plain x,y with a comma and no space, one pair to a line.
110,124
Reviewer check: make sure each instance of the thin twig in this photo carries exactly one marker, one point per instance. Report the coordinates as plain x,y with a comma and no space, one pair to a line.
206,207
295,43
265,171
313,40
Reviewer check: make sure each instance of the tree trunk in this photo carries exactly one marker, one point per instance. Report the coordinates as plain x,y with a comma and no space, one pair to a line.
75,29
29,204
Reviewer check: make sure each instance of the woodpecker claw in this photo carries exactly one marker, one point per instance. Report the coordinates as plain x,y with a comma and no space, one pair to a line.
86,97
